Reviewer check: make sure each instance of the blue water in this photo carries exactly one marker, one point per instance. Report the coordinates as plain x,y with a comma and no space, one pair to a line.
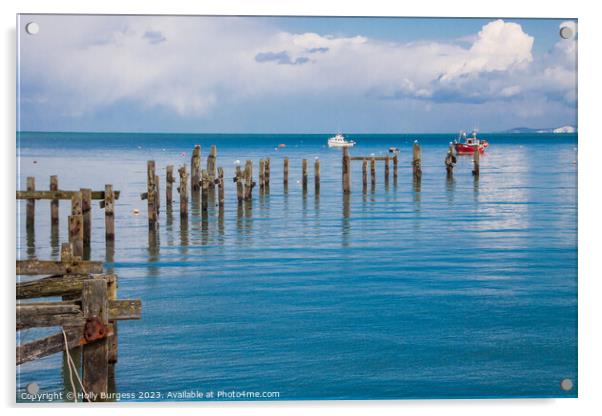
462,289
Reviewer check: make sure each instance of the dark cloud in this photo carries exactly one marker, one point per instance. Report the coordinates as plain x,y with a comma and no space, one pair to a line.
317,50
281,58
154,37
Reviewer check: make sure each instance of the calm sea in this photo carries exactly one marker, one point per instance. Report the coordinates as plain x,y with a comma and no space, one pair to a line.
454,289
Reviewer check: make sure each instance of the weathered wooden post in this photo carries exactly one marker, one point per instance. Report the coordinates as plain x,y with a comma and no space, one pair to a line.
285,174
317,176
76,225
95,353
261,175
304,175
476,159
346,171
387,170
157,195
364,176
54,204
266,175
31,204
395,165
109,214
183,190
248,180
86,207
150,193
417,160
450,161
204,190
168,187
220,176
239,184
211,166
373,173
195,169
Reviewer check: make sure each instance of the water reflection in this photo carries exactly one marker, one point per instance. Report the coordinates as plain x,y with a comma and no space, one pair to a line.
183,235
54,241
346,223
31,240
153,250
450,189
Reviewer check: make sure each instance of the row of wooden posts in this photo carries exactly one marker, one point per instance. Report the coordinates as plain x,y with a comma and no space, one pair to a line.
79,222
203,182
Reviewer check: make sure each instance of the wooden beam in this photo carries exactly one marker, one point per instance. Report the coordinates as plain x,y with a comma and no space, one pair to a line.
370,157
59,194
65,285
45,267
33,315
48,345
124,309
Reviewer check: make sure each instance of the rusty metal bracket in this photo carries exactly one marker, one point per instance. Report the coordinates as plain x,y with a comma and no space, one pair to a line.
94,329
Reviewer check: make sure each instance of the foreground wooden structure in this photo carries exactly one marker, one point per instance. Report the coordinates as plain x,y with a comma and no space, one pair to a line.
87,316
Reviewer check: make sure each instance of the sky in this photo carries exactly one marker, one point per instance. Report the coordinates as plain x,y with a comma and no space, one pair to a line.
294,74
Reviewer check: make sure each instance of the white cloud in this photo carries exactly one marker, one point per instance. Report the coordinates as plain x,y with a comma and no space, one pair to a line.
192,66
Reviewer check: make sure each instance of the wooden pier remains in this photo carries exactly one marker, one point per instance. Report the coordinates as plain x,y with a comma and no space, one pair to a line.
317,176
204,183
87,317
304,175
79,222
195,169
285,174
450,161
476,160
416,161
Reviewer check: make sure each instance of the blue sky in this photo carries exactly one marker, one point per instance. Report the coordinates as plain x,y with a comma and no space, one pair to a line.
294,74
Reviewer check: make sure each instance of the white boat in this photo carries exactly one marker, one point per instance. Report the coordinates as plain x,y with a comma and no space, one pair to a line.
340,141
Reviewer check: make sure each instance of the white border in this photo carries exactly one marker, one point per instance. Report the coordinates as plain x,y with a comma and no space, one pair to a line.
590,151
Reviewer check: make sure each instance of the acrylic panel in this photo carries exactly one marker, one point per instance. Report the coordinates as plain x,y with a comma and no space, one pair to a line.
295,208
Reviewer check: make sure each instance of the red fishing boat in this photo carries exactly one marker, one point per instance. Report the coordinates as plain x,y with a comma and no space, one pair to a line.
467,146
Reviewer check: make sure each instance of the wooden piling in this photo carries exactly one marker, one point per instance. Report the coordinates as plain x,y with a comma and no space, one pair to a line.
54,203
249,180
150,193
304,175
416,160
239,184
450,161
220,177
373,172
109,214
346,171
285,174
204,190
266,175
157,195
183,190
31,204
211,166
476,160
76,234
195,169
317,176
95,354
387,170
364,176
261,175
169,180
86,207
395,166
